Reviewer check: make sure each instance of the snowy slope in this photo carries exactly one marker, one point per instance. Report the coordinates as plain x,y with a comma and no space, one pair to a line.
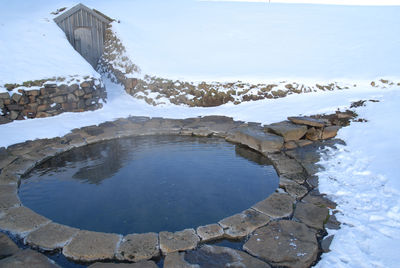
258,41
32,46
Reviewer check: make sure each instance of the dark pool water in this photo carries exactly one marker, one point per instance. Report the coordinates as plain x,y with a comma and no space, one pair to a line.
153,183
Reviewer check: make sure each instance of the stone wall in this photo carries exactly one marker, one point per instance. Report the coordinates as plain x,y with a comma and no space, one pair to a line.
50,98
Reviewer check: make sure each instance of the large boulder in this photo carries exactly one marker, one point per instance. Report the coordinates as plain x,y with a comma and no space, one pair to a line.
308,121
139,247
284,243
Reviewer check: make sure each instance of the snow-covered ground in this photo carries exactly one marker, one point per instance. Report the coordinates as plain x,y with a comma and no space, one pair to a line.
197,40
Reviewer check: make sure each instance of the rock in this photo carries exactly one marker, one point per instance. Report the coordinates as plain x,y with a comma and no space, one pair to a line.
332,223
311,215
16,97
142,264
213,256
210,232
51,236
290,145
242,224
9,197
288,130
314,134
284,243
85,84
139,247
302,143
72,98
59,99
27,258
7,178
79,92
285,165
14,115
258,140
92,246
276,206
330,132
7,246
326,243
4,95
308,121
178,241
21,220
300,178
319,200
292,188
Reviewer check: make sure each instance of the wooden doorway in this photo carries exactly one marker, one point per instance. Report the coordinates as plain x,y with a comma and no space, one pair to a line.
84,43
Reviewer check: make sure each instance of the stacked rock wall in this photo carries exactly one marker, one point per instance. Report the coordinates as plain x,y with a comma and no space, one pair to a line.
50,99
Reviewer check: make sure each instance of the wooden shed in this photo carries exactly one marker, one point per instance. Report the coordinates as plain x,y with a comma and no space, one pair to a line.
85,29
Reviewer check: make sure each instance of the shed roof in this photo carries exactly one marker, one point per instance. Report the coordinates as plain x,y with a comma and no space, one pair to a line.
78,7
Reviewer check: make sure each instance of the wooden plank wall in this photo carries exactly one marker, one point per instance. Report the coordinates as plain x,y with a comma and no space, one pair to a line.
82,18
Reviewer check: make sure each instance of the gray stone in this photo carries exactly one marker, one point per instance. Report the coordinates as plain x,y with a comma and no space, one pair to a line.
4,95
59,99
202,132
14,115
7,246
308,121
92,246
300,178
326,243
138,247
16,97
284,243
285,165
311,215
276,206
330,132
257,140
302,143
292,188
213,256
72,98
178,241
9,197
210,232
142,264
20,220
288,130
290,145
332,223
51,236
242,224
27,258
7,178
319,200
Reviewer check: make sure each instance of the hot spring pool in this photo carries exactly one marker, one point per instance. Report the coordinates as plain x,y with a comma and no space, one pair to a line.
148,184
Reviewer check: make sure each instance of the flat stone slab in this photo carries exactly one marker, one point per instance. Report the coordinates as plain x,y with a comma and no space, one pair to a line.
178,241
276,206
51,236
242,224
284,243
314,197
139,247
292,188
288,130
142,264
213,256
285,165
7,246
210,232
311,215
308,121
9,197
92,246
7,178
258,140
27,258
21,220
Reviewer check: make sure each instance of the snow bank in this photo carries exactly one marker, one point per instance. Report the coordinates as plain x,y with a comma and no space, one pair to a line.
363,178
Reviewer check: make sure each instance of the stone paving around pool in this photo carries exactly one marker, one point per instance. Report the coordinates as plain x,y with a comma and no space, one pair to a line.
286,229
